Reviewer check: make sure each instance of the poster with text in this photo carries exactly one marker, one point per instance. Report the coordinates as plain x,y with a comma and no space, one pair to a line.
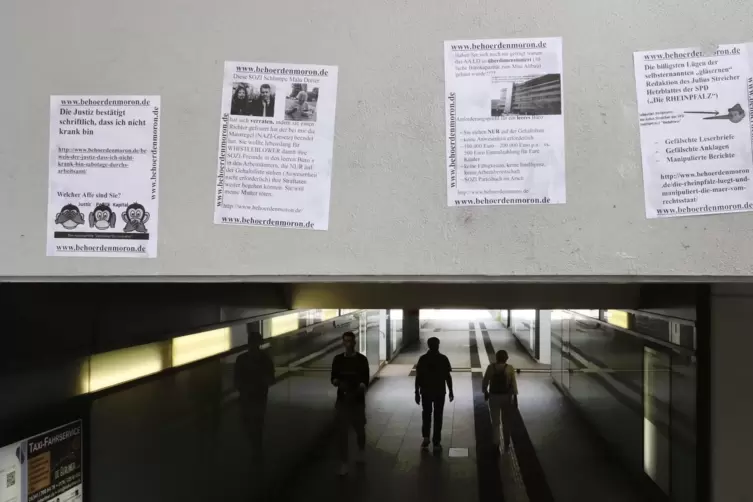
504,122
276,138
695,124
104,171
54,471
12,461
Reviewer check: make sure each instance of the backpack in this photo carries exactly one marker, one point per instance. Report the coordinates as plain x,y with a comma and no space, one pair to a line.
499,384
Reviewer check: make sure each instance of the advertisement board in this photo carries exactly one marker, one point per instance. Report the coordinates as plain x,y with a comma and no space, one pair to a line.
47,467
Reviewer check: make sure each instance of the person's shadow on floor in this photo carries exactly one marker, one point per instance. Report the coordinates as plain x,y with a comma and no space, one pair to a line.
431,475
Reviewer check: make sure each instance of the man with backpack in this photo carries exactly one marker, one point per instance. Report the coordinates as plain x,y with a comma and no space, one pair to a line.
501,391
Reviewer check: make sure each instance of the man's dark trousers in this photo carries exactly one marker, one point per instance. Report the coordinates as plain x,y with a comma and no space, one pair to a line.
435,403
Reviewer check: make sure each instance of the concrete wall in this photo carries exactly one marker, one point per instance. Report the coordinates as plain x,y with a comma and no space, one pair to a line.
388,207
488,295
50,330
53,322
731,402
189,421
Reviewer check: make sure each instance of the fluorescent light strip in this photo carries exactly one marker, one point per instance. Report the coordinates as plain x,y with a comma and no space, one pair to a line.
190,348
120,366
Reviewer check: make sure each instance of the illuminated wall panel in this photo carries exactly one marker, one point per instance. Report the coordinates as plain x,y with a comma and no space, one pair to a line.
190,348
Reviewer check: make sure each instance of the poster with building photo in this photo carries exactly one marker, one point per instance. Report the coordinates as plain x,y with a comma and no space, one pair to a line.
103,176
275,146
695,125
504,122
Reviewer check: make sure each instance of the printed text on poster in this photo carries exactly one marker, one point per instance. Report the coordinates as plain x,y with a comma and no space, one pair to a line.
103,176
504,122
275,154
695,127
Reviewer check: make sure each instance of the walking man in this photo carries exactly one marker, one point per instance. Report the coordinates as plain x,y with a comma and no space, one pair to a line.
432,375
350,374
501,390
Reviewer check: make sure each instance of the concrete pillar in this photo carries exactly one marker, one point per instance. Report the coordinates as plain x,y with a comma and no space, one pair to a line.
731,402
384,339
411,326
544,337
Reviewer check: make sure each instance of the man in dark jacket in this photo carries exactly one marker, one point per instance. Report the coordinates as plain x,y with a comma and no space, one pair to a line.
350,374
432,374
264,105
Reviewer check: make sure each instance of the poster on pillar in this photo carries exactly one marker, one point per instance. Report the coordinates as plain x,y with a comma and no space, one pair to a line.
695,126
276,138
504,122
44,468
103,176
55,471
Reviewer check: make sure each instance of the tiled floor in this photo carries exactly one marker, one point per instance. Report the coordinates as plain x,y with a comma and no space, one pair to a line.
396,466
575,464
502,339
576,467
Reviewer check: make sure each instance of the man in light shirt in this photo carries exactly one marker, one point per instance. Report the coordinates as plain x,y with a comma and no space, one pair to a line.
501,391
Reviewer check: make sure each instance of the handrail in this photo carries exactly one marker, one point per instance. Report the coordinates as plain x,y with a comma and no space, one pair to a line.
310,327
663,317
669,345
233,350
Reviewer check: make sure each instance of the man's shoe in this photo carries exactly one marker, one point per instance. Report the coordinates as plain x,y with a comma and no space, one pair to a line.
425,443
437,447
361,457
343,471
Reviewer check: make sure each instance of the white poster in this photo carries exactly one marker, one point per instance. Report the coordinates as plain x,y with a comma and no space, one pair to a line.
12,459
504,122
695,130
276,136
104,166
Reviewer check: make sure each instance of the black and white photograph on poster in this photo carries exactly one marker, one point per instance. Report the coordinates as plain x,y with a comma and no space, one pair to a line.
527,95
695,125
253,100
274,166
103,176
55,465
505,129
300,104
